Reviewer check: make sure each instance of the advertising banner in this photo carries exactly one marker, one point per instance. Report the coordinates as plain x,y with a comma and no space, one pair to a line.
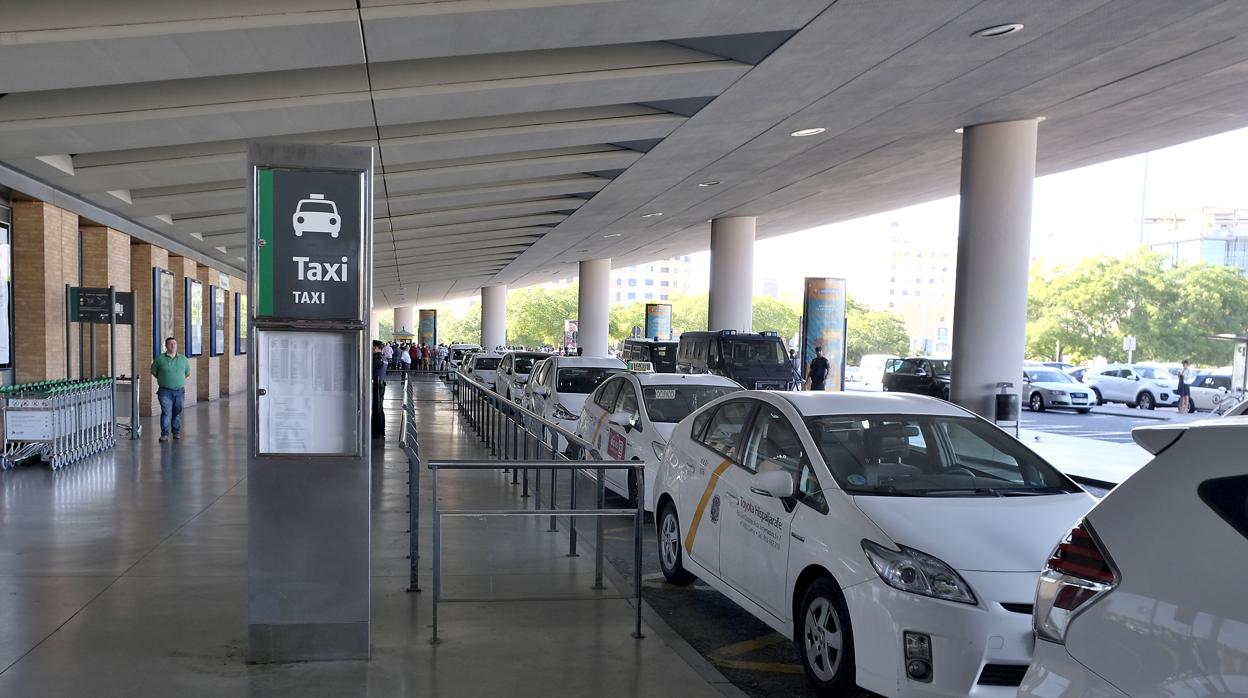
824,314
194,318
570,333
162,308
427,333
658,321
6,295
308,259
218,320
240,323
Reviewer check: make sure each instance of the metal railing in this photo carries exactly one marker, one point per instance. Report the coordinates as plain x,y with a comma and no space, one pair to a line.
410,443
526,443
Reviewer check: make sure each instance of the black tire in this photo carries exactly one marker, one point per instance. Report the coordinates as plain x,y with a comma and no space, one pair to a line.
671,559
830,670
1096,394
1145,401
1036,402
1084,410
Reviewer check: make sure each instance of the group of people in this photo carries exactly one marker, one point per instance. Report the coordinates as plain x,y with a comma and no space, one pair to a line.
411,356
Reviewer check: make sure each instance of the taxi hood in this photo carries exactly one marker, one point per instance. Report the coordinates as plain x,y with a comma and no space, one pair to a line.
979,534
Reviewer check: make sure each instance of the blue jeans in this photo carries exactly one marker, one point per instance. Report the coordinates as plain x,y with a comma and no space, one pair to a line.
171,409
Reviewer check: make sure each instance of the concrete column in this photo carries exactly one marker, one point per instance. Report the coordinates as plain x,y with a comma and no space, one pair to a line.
45,258
208,367
374,324
594,306
143,259
493,317
405,320
183,269
994,236
732,274
106,262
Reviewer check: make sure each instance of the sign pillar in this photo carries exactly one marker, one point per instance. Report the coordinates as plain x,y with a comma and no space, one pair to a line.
308,381
824,326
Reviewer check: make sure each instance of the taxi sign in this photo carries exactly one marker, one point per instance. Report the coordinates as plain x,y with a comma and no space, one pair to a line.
641,366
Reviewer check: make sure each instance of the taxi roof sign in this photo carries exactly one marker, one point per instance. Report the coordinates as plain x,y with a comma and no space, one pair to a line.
641,366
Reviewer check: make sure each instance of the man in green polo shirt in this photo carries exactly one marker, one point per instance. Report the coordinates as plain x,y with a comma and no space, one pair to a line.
171,370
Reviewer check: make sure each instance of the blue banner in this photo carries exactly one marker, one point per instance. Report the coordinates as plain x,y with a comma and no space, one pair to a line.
824,327
427,334
658,321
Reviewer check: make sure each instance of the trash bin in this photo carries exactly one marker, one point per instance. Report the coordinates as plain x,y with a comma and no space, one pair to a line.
1007,407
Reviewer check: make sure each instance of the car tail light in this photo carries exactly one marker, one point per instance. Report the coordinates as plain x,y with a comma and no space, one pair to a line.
1078,572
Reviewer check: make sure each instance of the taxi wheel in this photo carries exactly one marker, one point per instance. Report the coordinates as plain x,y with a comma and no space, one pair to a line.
825,640
670,554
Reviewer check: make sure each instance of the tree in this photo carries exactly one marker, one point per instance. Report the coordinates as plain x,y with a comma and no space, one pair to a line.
385,329
465,329
535,316
873,332
689,313
773,315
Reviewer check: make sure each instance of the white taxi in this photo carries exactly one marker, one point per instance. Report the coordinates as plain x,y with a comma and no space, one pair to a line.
897,538
631,416
559,386
482,367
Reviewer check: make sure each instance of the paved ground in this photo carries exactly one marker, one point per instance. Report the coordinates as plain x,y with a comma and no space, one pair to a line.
1112,424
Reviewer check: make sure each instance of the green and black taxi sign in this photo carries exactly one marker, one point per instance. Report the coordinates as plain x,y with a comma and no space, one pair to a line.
309,240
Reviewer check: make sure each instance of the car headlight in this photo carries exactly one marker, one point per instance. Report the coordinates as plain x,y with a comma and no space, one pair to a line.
659,447
909,570
1057,393
562,412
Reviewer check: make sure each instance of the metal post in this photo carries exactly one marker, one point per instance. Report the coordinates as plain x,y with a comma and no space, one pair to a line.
524,492
413,519
69,355
554,487
112,354
600,503
135,428
92,364
572,519
437,558
637,521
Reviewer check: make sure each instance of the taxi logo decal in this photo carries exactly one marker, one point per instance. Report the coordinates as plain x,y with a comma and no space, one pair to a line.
715,509
706,499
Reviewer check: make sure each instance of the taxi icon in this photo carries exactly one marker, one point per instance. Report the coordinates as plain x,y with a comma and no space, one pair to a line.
316,214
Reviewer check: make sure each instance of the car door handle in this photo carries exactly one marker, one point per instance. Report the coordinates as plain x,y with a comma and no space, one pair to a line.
799,538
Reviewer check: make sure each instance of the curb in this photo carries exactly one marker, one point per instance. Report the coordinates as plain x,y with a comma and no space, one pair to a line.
1137,414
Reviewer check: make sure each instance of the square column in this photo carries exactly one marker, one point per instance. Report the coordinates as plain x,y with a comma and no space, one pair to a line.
232,367
45,258
208,373
184,269
143,259
106,262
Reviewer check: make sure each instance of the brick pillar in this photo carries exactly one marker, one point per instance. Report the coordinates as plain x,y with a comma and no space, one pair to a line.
45,258
106,262
209,377
233,367
143,259
184,269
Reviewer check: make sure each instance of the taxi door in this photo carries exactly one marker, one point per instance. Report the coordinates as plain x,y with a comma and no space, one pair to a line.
704,503
620,442
757,528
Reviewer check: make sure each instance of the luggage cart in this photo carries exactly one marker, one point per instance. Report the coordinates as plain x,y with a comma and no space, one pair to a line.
61,422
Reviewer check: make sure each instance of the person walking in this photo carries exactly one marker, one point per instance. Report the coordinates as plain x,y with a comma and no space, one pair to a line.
819,370
379,389
405,361
171,370
1186,377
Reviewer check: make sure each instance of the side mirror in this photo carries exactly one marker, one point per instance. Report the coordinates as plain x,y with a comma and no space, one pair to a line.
1135,377
773,483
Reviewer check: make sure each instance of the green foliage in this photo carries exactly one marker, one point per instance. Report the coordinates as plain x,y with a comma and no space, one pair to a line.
535,315
873,332
385,331
1091,308
772,315
460,329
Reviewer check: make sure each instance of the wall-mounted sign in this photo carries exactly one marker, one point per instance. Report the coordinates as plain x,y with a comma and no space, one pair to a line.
162,308
217,344
658,321
240,323
6,293
824,314
428,324
308,255
194,344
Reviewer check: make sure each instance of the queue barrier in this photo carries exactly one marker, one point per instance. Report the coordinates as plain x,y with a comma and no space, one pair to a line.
524,442
59,421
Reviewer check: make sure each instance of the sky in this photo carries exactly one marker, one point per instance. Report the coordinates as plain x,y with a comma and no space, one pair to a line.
1076,214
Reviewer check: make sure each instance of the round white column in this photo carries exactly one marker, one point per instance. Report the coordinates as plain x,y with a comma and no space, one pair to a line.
405,320
594,306
994,239
493,317
374,323
731,304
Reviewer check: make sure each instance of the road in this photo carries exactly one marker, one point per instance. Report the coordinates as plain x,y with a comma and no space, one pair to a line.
1100,425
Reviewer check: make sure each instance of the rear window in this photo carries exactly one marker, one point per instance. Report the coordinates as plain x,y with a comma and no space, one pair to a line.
485,364
1228,498
581,379
523,364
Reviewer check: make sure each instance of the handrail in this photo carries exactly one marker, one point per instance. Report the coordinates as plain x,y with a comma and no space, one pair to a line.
571,436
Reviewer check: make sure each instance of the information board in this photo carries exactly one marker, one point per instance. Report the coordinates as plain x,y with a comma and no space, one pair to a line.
658,321
308,257
6,296
30,425
824,314
194,344
310,403
217,345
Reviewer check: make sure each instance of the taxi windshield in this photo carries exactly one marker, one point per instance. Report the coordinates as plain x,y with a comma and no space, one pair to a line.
672,403
930,456
582,379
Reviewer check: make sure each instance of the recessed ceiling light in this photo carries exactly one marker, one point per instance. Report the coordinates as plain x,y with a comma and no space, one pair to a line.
708,183
998,30
612,235
656,214
800,133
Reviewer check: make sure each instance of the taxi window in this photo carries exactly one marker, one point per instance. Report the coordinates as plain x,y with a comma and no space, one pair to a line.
724,432
608,392
773,444
627,404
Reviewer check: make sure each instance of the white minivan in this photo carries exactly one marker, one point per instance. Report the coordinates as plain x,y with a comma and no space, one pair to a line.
871,369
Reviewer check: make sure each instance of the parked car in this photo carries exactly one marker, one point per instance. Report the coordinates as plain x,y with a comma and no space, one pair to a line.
456,353
1145,595
1208,389
1048,387
757,361
853,374
1059,365
896,538
631,416
660,354
919,375
1136,385
482,367
871,368
513,373
1079,374
559,386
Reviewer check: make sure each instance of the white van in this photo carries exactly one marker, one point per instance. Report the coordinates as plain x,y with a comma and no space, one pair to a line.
871,369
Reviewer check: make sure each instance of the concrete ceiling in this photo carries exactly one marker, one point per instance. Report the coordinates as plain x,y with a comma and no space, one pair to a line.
517,137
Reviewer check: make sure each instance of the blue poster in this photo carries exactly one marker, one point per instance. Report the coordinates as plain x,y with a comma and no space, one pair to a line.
427,332
824,314
658,321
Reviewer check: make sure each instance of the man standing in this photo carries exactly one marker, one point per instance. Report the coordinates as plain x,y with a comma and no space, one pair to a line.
171,370
819,370
379,390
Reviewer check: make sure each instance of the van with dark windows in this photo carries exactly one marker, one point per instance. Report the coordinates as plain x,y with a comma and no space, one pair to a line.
660,353
757,361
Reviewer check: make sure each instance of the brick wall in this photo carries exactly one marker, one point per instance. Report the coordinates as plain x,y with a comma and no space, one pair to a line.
45,258
233,367
184,269
144,258
106,262
208,369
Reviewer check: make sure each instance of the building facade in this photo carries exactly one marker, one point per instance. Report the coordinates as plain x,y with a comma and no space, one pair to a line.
1209,235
